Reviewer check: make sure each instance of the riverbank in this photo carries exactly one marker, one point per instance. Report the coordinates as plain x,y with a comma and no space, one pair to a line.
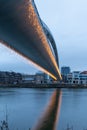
33,85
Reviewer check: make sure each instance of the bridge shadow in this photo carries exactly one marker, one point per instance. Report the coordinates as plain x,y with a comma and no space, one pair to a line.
49,118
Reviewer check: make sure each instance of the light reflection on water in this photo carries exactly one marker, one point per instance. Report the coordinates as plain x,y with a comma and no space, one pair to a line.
27,106
49,117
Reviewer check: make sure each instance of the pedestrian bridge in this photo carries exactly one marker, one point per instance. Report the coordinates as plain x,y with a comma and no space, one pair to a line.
22,30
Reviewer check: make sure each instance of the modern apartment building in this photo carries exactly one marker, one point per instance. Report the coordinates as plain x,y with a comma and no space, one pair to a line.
73,78
83,77
77,77
65,70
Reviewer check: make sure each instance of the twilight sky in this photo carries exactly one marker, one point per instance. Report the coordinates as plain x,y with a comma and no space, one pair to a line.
67,20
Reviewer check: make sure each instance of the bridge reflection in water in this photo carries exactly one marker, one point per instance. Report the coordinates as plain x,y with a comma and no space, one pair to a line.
49,117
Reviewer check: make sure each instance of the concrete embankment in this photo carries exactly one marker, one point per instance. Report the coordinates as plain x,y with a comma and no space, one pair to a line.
33,85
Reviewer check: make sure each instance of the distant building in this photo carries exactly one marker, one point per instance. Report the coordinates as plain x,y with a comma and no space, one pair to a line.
83,78
41,77
64,71
73,78
10,77
26,78
69,78
77,77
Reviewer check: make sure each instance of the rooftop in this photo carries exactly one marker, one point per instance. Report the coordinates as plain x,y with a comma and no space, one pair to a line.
84,72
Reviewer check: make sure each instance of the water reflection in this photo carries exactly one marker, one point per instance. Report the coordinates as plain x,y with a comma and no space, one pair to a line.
24,106
49,117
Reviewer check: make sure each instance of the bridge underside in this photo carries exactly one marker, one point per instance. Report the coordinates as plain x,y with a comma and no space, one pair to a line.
21,30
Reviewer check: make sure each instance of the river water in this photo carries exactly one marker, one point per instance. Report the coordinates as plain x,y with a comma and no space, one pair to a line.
24,106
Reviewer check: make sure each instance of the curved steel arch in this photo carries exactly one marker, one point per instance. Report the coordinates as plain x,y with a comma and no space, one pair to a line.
49,36
21,30
52,41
